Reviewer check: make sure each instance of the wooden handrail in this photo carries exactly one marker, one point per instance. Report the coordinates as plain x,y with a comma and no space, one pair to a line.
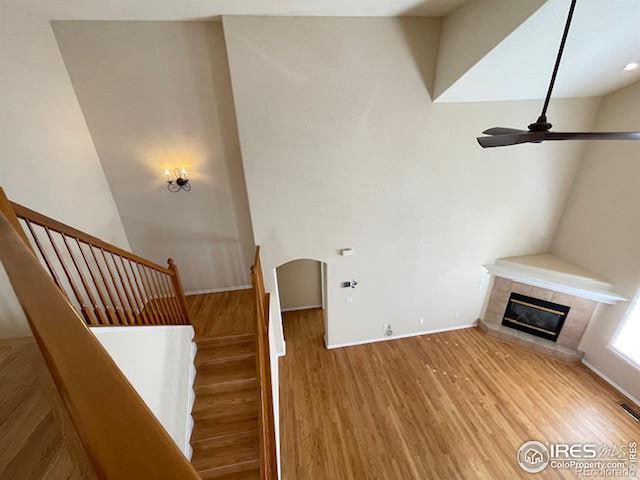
268,460
44,221
109,286
120,435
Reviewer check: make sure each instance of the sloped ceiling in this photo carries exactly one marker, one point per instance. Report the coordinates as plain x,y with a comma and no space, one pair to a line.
489,50
202,9
604,37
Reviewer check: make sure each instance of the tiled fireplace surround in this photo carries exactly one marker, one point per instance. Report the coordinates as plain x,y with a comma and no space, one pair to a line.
566,347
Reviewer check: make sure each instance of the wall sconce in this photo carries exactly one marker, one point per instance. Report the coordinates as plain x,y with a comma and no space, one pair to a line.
178,180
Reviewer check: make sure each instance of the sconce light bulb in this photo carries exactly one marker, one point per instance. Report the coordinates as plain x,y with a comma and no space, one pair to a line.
183,173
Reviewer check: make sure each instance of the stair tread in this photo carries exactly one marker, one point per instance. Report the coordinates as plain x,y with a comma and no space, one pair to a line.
204,388
221,439
208,404
253,474
209,342
208,428
206,361
225,451
245,470
209,352
241,369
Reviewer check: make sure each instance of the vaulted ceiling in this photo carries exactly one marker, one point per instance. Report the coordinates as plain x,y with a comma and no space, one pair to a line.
200,9
604,37
489,50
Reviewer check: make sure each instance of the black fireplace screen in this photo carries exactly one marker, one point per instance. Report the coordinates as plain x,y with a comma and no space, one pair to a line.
537,317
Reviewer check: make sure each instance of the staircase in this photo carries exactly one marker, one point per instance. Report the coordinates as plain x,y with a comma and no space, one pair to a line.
225,438
66,281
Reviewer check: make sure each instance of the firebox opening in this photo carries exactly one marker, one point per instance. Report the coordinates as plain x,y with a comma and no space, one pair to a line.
537,317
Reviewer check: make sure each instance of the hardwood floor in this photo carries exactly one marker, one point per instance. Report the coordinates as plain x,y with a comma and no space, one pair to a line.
453,405
32,442
220,314
225,412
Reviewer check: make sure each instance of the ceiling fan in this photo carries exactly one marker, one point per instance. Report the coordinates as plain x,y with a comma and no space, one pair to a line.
540,130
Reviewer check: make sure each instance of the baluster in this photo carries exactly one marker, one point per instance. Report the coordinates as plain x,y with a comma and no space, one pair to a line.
172,297
148,293
86,312
47,262
109,320
132,305
103,315
128,316
162,307
115,313
102,320
170,315
144,315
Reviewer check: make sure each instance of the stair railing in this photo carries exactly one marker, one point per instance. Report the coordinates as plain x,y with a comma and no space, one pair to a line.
106,284
268,460
120,436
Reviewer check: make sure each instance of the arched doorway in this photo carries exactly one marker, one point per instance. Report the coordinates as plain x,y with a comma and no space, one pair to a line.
302,297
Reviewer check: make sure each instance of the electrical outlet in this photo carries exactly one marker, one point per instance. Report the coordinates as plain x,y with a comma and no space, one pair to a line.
421,321
349,299
387,329
457,315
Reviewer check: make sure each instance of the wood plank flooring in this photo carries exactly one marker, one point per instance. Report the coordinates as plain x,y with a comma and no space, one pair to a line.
225,412
222,314
454,405
32,442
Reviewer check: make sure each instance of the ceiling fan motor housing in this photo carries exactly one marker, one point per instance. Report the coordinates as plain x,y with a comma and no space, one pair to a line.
540,125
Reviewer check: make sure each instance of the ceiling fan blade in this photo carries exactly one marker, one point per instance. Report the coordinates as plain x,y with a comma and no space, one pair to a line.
509,139
547,136
539,137
502,131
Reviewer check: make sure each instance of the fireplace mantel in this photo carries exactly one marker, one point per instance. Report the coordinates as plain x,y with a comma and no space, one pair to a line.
551,272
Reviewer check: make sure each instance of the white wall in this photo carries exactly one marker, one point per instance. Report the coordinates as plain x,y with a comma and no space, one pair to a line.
600,228
342,147
47,159
158,362
299,284
157,95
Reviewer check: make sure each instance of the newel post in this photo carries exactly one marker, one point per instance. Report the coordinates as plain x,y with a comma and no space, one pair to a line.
177,286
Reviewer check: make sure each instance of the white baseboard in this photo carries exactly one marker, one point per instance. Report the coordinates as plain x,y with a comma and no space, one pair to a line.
396,337
218,290
306,307
587,364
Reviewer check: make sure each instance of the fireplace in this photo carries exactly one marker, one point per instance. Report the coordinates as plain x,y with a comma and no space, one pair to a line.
537,317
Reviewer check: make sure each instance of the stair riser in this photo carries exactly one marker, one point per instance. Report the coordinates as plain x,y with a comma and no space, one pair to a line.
213,342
